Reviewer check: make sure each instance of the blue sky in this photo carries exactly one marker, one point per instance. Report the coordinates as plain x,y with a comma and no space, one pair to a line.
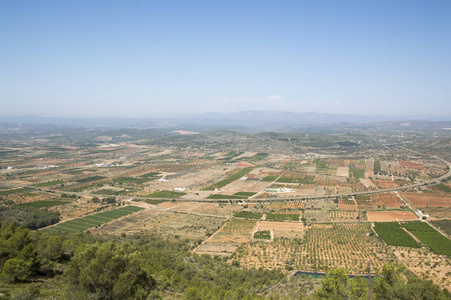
155,58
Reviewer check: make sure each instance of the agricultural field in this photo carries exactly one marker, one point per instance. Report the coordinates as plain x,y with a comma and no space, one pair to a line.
437,212
283,229
282,217
213,209
322,248
443,225
225,241
49,183
425,200
163,223
248,215
84,223
430,237
227,194
43,203
394,235
166,194
391,216
262,235
229,179
346,216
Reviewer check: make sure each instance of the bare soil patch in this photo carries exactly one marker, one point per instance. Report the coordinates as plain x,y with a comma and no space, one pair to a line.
170,204
390,216
411,165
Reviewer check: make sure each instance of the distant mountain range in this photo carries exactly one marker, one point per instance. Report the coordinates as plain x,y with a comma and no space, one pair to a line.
309,118
245,121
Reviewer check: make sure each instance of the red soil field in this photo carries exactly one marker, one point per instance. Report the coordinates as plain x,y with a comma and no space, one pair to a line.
390,216
411,165
425,201
386,183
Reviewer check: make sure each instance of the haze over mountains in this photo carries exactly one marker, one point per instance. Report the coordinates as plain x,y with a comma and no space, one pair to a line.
246,121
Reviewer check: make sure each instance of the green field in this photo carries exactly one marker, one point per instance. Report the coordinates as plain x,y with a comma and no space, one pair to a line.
260,156
444,188
248,215
15,191
282,217
151,174
263,234
394,235
270,178
166,194
357,173
245,194
88,179
430,237
49,183
81,224
43,203
228,180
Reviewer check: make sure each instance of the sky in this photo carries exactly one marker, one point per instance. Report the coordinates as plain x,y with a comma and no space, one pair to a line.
142,59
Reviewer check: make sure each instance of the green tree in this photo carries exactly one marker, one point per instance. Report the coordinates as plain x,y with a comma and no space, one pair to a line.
109,271
16,270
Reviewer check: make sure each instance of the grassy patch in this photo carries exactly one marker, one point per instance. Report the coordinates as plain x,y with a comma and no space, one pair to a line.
166,194
248,215
88,179
245,194
228,180
49,183
151,174
15,191
153,202
263,235
43,203
394,235
270,178
356,173
444,188
260,156
282,217
377,166
430,237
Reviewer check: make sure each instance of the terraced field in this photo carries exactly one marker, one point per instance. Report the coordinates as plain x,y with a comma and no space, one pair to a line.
81,224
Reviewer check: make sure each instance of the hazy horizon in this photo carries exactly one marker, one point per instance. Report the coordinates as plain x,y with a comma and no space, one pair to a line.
144,59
